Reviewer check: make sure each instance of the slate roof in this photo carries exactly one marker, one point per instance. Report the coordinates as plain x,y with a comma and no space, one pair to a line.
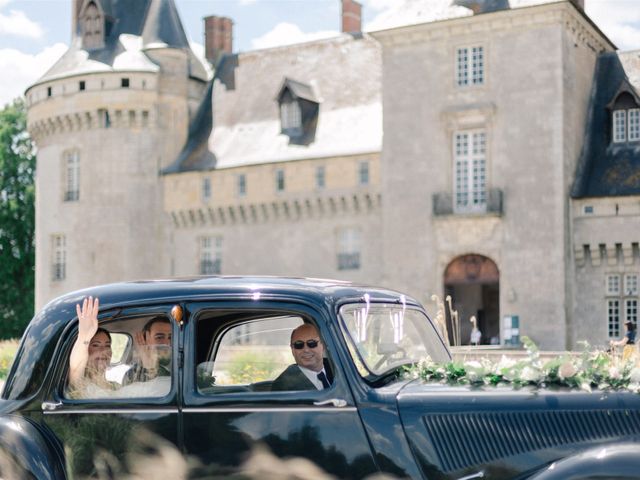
344,74
604,168
133,26
299,90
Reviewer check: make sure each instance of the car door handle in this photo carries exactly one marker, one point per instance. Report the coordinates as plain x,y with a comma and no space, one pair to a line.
336,402
49,406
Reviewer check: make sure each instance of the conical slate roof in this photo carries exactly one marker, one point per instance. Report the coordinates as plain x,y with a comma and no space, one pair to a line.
131,28
163,26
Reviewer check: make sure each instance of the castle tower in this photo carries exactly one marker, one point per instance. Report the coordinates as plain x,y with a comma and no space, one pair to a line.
107,118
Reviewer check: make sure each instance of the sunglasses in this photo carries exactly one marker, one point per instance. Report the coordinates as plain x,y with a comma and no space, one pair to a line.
299,344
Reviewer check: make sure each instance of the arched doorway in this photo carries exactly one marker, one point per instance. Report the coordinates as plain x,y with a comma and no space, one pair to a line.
473,281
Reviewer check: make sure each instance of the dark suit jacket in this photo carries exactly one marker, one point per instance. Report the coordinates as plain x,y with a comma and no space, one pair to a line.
293,379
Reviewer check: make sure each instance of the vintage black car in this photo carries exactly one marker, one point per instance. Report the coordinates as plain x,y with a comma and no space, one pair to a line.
214,408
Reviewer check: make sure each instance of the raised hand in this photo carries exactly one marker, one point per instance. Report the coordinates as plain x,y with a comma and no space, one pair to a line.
87,328
147,353
87,319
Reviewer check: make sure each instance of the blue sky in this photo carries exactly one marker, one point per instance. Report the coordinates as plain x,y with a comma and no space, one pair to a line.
34,33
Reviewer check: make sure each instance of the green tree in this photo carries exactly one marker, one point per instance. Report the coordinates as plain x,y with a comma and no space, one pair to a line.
17,220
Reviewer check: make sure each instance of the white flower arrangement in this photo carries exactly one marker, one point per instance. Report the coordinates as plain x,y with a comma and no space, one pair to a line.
586,371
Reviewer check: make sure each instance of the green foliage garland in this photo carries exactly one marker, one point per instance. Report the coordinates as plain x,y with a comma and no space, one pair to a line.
586,371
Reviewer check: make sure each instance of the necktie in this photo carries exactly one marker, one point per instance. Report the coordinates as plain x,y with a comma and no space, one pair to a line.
323,378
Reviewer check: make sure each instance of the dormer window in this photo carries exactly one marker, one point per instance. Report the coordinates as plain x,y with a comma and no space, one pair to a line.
625,118
290,116
92,22
299,109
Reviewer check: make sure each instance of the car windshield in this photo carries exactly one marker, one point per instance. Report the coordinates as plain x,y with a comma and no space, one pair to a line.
383,337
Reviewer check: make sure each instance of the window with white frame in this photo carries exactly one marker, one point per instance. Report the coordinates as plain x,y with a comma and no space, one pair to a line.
622,299
320,177
613,317
58,257
631,310
470,66
348,249
634,124
290,115
206,189
210,255
71,176
280,180
613,284
619,126
363,173
626,125
242,184
470,171
631,284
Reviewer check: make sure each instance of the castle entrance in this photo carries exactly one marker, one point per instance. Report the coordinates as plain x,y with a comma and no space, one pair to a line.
473,282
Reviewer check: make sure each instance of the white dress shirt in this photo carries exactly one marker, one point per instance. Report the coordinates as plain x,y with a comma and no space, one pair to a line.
313,376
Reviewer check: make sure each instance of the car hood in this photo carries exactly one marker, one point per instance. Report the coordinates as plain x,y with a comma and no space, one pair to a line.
460,431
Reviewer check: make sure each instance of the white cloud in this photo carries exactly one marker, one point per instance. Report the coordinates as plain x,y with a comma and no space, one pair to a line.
19,70
288,33
247,2
394,13
18,24
618,19
379,4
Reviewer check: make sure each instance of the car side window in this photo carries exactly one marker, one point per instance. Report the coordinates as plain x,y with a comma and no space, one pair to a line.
127,358
244,354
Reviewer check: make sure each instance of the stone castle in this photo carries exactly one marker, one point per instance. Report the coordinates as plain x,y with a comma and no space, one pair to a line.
492,155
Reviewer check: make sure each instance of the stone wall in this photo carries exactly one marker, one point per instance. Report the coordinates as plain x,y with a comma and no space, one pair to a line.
532,106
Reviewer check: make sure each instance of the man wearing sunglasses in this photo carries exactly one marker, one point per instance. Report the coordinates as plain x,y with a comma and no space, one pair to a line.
311,370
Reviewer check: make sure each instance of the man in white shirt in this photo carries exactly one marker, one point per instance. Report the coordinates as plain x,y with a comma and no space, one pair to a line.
311,370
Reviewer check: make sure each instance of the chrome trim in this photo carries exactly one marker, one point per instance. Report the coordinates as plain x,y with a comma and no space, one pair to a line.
121,411
50,406
336,402
266,409
480,474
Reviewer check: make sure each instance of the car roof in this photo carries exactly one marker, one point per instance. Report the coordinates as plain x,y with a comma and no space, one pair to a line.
195,288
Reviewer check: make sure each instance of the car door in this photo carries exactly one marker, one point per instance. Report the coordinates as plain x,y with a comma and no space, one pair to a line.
233,422
127,427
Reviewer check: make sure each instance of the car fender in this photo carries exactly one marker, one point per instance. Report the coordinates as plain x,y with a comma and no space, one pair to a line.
620,461
25,452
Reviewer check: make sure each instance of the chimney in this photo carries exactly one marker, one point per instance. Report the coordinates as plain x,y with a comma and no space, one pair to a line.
218,37
351,16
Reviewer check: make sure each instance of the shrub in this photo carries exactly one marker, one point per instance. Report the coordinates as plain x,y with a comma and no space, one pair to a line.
7,352
252,367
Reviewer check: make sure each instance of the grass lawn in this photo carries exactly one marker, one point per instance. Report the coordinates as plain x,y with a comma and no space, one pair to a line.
7,352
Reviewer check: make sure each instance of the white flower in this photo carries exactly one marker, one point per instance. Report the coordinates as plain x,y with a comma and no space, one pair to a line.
505,364
614,373
473,376
472,365
530,374
566,370
634,375
475,370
